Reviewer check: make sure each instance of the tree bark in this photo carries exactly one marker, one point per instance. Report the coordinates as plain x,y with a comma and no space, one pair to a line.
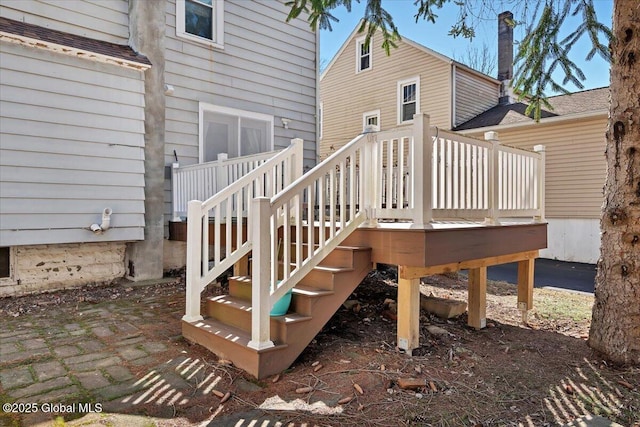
615,326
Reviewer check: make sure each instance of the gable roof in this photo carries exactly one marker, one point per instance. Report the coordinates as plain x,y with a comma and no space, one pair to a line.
409,42
588,101
71,44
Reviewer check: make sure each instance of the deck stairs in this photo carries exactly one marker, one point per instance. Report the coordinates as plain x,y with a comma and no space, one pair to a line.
294,226
226,327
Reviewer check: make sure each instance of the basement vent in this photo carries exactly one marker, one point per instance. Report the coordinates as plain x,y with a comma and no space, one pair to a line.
5,270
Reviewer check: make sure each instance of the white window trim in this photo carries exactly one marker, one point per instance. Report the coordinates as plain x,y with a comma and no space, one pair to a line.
218,23
359,42
210,108
320,120
369,114
405,82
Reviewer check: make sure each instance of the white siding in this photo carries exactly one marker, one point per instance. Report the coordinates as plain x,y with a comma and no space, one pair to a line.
106,20
71,144
267,66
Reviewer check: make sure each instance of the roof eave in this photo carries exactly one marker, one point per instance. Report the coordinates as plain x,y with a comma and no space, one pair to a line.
547,120
71,51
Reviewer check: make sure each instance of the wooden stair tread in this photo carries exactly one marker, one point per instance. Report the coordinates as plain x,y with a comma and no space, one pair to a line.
231,333
244,305
310,291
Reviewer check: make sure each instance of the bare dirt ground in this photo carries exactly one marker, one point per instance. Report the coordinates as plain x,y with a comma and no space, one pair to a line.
509,374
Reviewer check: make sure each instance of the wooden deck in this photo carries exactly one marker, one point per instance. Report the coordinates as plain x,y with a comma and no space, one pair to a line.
440,248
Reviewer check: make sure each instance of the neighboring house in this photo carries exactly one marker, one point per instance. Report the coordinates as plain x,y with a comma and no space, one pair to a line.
574,137
98,99
362,86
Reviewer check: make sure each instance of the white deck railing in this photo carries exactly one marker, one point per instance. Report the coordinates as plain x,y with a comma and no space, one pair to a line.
225,214
201,181
416,173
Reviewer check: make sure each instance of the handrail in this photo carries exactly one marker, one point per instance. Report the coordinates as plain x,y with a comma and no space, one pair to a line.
228,209
204,179
289,220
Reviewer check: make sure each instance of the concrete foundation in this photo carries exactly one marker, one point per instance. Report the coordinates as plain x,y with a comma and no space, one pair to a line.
575,240
53,267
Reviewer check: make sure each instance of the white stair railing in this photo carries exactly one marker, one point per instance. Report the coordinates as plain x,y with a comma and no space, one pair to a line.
290,219
201,181
225,216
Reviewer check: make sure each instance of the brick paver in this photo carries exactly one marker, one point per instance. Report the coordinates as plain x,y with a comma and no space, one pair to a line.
107,353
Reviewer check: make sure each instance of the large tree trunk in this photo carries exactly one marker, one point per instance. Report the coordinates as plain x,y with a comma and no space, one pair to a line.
615,326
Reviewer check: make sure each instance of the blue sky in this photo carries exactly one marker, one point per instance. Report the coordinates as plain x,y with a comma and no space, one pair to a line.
435,36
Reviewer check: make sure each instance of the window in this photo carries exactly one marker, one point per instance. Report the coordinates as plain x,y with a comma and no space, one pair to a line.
371,119
234,132
363,55
408,99
201,21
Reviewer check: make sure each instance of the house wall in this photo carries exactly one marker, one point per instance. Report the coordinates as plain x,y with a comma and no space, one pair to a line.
473,95
575,175
96,19
72,134
267,66
346,95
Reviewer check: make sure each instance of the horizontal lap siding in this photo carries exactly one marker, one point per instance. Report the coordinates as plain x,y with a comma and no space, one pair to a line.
72,135
575,164
96,19
473,95
346,95
267,66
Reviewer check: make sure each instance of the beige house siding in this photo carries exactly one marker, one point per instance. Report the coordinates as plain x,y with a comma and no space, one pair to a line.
473,95
575,163
346,95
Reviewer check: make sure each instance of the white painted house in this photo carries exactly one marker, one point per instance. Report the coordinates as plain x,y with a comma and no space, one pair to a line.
98,99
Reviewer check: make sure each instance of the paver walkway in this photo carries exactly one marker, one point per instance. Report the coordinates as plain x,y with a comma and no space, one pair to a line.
114,356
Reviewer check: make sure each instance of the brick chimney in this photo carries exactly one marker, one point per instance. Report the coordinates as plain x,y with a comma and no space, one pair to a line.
505,56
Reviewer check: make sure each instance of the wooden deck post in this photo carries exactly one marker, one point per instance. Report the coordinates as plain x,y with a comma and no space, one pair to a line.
477,298
493,190
421,171
525,287
408,312
194,256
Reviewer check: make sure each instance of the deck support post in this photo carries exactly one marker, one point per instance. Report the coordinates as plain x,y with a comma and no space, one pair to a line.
408,312
525,287
477,298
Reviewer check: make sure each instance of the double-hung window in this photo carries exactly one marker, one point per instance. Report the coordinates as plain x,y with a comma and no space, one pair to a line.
408,99
201,21
363,55
234,132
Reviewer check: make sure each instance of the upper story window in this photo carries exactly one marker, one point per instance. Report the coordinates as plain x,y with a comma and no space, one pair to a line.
201,21
371,120
363,55
408,99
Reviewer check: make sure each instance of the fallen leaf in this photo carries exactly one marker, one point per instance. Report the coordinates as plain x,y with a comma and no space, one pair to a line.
345,400
626,384
303,390
225,397
358,388
218,393
276,379
317,368
568,389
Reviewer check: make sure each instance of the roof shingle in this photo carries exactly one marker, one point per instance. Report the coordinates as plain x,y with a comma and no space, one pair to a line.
71,40
578,102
